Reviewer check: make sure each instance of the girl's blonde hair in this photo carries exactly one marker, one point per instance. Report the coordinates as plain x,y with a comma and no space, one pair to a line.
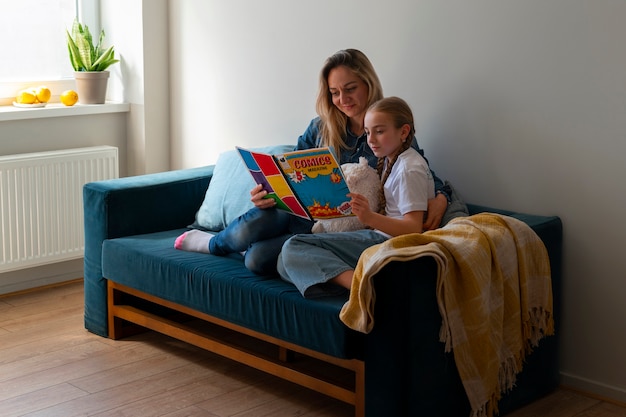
333,122
401,115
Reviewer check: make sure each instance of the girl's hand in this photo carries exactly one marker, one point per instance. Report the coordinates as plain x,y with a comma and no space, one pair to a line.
360,207
411,222
256,196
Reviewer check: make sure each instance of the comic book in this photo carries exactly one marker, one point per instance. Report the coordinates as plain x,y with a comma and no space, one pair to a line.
307,183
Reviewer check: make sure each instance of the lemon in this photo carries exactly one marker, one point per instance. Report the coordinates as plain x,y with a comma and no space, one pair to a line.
43,94
26,97
69,97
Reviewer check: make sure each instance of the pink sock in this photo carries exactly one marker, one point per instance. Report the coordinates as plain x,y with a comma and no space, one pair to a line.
194,241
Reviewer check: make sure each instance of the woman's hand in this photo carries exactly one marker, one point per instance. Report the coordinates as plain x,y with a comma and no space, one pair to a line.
436,209
256,196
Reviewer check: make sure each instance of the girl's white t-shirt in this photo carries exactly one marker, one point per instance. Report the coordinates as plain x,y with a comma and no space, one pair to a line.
409,186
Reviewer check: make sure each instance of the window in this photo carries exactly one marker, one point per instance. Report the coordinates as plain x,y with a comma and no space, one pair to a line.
34,47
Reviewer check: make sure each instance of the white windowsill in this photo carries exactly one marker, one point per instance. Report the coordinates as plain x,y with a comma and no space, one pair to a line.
59,110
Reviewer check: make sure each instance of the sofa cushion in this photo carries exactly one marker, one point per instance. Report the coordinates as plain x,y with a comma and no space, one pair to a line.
224,288
228,195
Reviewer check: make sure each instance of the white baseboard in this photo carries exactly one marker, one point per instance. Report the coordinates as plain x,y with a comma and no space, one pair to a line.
594,388
40,276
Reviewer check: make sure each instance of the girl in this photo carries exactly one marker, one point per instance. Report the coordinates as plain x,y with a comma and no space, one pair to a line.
328,263
348,85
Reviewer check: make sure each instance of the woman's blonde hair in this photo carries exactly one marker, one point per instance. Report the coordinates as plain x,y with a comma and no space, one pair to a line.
333,122
401,114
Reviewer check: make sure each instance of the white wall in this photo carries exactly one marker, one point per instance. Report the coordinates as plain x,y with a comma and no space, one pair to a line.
521,104
138,29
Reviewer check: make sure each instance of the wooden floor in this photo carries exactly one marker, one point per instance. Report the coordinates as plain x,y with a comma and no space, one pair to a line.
51,366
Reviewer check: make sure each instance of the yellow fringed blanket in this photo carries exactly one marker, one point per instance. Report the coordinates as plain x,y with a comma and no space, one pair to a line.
494,294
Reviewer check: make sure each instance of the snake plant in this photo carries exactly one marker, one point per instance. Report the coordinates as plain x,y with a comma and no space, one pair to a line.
84,56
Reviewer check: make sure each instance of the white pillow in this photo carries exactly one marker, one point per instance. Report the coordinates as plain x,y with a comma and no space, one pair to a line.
228,195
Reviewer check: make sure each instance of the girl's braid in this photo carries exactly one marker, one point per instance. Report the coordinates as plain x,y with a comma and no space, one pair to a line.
382,202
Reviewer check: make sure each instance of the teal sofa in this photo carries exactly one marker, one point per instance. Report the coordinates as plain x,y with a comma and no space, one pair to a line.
135,279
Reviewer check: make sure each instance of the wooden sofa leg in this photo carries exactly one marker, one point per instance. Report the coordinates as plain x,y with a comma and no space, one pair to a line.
359,390
118,328
285,355
114,323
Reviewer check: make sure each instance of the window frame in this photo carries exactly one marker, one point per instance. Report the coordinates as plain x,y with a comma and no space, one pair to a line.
88,12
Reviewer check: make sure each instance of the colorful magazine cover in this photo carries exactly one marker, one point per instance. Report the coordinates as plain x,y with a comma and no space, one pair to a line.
306,183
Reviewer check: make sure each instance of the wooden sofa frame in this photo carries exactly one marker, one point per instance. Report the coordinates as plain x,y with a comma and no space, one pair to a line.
343,379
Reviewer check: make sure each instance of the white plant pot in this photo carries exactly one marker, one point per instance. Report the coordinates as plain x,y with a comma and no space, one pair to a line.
91,86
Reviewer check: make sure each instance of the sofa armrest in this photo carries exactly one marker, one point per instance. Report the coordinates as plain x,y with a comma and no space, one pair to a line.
130,206
407,370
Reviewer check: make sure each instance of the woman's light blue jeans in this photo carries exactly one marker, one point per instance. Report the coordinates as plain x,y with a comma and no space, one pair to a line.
261,234
310,261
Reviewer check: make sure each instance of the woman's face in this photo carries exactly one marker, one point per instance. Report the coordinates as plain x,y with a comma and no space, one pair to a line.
348,92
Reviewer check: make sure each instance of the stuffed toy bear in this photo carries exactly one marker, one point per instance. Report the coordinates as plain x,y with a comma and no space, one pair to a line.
361,179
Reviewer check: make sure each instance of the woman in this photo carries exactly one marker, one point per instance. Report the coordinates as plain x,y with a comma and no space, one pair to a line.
348,85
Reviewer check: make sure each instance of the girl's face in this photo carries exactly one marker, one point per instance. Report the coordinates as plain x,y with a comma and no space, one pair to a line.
348,92
383,136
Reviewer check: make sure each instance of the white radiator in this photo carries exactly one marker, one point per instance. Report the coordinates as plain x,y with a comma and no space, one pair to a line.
41,203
